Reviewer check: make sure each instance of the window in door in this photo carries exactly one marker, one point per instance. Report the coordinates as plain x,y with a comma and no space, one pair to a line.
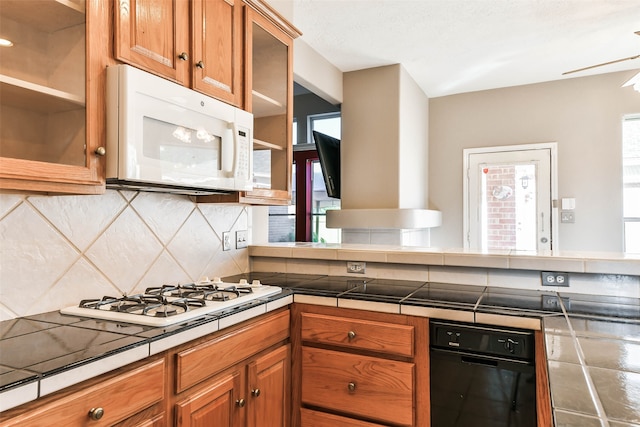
507,202
631,182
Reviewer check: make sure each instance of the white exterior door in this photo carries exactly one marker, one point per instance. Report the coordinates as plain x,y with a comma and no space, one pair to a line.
508,198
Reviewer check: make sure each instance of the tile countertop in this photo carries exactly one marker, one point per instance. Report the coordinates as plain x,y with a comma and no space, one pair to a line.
569,261
593,343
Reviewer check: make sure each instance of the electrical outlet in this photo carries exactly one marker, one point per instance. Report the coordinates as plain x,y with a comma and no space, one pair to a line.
226,241
552,278
552,302
241,239
356,267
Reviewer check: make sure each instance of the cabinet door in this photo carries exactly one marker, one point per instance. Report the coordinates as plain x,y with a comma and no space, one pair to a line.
269,389
48,78
154,35
269,75
219,404
217,49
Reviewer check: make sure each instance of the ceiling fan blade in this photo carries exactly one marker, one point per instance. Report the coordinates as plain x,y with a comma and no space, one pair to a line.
600,65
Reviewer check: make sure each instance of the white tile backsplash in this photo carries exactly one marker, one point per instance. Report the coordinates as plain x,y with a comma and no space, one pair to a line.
56,250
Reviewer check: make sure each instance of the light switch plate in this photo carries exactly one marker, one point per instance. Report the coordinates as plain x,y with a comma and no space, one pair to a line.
241,239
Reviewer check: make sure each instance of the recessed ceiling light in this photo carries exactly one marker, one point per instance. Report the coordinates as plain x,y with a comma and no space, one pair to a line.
5,42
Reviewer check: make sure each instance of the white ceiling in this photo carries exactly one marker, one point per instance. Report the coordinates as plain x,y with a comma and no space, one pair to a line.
456,46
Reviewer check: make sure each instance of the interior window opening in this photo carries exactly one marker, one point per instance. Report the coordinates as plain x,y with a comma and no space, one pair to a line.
305,218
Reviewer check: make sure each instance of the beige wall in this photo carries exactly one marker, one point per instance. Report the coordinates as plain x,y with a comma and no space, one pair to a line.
583,115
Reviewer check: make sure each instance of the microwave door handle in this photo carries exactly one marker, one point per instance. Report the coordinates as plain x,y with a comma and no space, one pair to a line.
236,155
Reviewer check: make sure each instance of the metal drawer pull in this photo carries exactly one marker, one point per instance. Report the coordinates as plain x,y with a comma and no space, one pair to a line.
255,392
100,151
352,386
96,413
183,56
240,403
351,335
200,65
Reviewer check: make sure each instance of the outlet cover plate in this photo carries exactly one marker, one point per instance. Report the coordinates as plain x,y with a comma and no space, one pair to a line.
357,267
553,278
226,241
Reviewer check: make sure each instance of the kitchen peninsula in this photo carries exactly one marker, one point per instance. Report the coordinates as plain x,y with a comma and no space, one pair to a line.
587,386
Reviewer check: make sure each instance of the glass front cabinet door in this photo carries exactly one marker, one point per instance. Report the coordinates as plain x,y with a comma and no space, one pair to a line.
52,95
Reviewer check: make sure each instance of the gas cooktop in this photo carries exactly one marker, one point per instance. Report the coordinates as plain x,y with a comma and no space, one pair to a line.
170,304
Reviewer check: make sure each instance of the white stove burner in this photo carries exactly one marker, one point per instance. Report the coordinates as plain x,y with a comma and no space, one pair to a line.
258,291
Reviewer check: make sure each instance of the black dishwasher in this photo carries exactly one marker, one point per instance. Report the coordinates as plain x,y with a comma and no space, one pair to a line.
482,376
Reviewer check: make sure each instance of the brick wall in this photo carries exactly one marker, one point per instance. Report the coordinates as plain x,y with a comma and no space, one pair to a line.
501,214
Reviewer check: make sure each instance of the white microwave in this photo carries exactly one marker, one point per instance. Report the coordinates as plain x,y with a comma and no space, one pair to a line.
165,137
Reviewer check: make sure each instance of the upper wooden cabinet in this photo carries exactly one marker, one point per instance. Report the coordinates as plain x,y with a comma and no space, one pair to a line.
268,76
52,83
198,44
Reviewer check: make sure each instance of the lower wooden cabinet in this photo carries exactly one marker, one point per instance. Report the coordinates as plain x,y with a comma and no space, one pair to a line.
255,395
241,378
269,386
105,401
359,368
363,386
218,404
311,418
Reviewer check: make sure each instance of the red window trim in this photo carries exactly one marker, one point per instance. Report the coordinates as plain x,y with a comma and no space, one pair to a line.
303,162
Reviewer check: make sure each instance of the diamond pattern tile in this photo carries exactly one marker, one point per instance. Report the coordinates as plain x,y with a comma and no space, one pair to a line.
8,202
67,248
153,209
195,244
80,218
125,250
33,255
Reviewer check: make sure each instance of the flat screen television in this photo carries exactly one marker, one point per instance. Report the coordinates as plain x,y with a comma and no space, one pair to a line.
328,149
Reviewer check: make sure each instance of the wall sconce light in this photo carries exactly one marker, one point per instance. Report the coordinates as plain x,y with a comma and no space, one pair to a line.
524,181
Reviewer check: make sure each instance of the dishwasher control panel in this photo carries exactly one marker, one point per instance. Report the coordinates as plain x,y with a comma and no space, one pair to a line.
483,339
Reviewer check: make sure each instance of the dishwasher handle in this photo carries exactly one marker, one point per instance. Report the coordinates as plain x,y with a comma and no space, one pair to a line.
472,360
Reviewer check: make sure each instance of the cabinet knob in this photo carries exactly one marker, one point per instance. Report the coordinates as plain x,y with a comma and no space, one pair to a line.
96,413
200,65
255,392
351,335
100,151
183,56
240,403
351,386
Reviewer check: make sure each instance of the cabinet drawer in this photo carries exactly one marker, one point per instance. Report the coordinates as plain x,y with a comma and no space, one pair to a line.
119,397
312,418
202,361
382,337
370,387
